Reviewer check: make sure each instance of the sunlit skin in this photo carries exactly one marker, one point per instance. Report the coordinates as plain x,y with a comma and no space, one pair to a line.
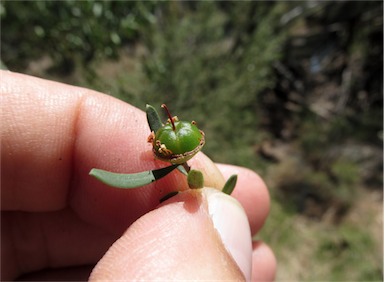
56,218
184,139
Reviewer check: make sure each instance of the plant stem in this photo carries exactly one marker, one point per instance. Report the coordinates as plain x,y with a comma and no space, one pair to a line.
169,116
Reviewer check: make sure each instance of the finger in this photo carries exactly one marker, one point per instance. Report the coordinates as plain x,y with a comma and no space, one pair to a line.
53,134
77,273
49,127
251,192
168,242
37,142
264,263
36,241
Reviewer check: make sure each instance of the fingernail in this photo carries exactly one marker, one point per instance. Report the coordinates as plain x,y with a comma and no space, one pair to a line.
231,222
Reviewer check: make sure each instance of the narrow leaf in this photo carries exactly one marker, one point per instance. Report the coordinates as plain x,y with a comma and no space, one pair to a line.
168,196
230,184
153,119
182,169
195,179
159,173
132,180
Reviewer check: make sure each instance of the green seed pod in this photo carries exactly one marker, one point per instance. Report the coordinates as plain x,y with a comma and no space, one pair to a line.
177,141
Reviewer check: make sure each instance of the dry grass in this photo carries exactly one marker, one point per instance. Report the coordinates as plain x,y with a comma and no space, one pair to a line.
309,250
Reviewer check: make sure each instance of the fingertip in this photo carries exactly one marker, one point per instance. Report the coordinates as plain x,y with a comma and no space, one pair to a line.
167,244
212,174
264,262
231,222
251,191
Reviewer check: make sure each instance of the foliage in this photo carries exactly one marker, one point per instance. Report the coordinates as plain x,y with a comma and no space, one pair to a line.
309,250
197,64
73,32
348,249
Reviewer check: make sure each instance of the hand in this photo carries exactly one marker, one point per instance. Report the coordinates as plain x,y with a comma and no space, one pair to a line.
58,222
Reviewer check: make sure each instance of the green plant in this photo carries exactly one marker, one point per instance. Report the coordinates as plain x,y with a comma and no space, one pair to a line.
71,33
176,141
184,138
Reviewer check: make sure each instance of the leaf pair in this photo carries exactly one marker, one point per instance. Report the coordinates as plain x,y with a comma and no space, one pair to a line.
135,180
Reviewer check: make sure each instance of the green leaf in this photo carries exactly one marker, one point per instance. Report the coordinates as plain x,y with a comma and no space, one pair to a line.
132,180
184,168
230,184
153,119
168,196
195,179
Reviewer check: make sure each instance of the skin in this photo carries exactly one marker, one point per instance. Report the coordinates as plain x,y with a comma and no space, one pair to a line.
58,222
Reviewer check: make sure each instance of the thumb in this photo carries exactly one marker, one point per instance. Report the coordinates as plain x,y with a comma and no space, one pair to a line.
195,235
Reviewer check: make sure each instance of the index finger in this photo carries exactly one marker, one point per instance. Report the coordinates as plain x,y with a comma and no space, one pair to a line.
53,134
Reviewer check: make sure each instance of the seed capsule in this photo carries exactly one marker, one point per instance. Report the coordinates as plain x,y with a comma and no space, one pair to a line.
177,141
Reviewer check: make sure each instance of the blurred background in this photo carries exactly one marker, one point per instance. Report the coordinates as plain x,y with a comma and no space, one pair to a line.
292,90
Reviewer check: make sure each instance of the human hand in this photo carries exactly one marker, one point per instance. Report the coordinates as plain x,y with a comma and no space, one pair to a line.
56,219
